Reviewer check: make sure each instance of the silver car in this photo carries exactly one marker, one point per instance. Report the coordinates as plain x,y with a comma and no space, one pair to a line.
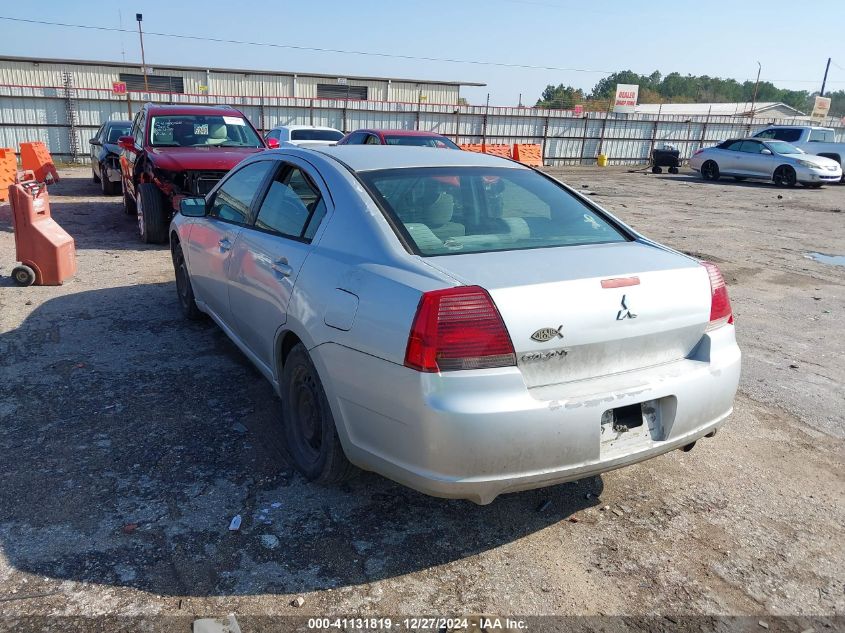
761,159
457,322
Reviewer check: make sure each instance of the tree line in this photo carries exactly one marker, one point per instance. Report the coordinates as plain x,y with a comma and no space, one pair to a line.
677,88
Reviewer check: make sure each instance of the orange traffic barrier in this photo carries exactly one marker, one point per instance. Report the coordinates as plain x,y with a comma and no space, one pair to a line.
472,147
46,252
35,156
8,171
528,154
498,150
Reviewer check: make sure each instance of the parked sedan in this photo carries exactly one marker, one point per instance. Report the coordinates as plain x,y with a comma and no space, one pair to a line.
397,137
302,135
454,321
105,155
760,159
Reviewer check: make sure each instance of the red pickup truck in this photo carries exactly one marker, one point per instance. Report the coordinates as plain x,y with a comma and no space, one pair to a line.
175,151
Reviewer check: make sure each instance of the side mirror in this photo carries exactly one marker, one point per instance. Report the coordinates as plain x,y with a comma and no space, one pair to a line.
767,152
94,141
126,142
192,207
273,143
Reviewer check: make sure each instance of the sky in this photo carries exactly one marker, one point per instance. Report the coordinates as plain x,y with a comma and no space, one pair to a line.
579,42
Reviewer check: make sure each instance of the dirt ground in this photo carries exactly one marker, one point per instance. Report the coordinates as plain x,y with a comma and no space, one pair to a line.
129,438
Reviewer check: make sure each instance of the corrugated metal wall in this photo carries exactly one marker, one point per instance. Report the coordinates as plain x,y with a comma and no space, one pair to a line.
40,113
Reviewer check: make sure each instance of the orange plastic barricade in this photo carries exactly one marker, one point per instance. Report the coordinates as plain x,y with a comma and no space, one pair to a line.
35,156
46,252
8,171
498,150
472,147
528,154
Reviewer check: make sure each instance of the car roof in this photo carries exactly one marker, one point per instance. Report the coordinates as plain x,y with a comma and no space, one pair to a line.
372,157
400,132
223,110
305,127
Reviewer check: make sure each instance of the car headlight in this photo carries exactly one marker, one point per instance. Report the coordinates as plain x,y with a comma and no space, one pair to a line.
806,163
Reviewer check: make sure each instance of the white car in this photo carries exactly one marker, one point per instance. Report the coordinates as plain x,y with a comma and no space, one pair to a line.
312,135
763,159
455,321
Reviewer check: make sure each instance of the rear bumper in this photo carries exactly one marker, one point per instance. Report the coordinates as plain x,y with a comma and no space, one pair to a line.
478,434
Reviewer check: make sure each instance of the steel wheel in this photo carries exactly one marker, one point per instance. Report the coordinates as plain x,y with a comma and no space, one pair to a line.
23,275
710,170
139,211
784,176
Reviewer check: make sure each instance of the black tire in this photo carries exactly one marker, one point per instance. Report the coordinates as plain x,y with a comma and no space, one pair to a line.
656,170
673,170
309,429
95,177
152,214
184,289
129,204
785,176
739,178
710,171
23,275
108,187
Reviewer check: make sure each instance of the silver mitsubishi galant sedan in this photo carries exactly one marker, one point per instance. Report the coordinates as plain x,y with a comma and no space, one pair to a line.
457,322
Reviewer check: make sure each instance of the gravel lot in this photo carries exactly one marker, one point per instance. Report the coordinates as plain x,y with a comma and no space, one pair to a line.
129,438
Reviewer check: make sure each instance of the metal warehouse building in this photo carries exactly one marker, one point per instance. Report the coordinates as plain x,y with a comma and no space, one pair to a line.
63,101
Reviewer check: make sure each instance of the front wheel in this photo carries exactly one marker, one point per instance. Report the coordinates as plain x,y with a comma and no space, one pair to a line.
152,214
710,171
785,176
184,289
108,187
309,428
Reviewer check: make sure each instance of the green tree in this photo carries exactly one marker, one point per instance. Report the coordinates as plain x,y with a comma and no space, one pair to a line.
560,96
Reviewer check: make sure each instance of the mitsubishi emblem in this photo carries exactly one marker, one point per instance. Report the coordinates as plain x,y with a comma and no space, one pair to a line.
625,312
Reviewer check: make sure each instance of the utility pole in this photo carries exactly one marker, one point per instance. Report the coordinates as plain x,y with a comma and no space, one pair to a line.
756,85
824,81
140,18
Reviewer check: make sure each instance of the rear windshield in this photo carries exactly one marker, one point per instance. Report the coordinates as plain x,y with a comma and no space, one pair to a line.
315,135
454,210
420,141
201,131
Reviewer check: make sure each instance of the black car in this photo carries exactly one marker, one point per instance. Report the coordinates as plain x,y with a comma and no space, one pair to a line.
105,155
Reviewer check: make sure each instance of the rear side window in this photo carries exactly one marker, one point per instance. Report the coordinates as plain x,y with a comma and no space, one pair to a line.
315,135
822,136
293,206
234,197
455,210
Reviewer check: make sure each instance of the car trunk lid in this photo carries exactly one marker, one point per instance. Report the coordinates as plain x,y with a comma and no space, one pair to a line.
566,325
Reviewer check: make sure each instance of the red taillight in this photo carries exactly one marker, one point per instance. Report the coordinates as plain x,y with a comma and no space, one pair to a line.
458,328
720,303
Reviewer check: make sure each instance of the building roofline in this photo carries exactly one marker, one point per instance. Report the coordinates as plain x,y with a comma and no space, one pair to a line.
246,71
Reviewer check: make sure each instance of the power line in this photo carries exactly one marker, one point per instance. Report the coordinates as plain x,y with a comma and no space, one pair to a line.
218,40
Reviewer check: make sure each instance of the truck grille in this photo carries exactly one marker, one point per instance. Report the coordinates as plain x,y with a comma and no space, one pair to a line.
201,182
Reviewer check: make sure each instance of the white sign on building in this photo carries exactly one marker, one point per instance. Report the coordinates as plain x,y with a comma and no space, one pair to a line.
626,98
821,107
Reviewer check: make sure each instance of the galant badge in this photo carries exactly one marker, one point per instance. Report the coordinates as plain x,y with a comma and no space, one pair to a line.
547,334
625,312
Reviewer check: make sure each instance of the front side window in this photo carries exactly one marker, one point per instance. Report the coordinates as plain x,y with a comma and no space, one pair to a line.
420,141
234,197
751,147
372,139
115,132
193,130
292,207
455,210
788,134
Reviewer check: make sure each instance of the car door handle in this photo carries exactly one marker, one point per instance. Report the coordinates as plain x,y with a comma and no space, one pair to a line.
224,244
281,267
